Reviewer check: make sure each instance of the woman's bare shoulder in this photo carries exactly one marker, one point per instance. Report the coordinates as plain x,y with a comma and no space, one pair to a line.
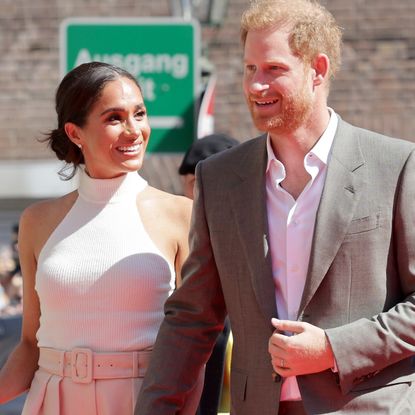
175,204
39,220
49,210
169,211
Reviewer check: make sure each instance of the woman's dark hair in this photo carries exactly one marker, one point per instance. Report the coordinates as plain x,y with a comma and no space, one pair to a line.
78,91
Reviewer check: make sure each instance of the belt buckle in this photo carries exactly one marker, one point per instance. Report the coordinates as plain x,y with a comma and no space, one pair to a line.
81,365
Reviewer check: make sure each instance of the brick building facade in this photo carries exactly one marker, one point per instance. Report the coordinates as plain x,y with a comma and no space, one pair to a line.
375,88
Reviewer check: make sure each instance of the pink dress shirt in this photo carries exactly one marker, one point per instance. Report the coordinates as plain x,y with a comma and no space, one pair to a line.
291,227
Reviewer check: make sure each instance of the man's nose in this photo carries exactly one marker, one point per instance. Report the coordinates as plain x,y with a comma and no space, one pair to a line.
258,87
258,83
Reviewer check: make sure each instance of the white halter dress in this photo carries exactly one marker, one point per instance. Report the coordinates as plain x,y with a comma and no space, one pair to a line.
102,284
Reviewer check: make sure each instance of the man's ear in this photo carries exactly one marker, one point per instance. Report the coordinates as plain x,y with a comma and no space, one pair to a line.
74,134
321,68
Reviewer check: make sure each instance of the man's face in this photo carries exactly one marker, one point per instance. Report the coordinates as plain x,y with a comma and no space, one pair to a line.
277,84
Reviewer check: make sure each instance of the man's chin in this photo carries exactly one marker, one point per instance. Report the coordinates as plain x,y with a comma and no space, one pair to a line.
267,125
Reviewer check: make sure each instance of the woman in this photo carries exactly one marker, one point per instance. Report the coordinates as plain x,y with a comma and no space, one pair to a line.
97,263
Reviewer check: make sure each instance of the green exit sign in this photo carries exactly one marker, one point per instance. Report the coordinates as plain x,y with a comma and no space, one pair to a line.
162,54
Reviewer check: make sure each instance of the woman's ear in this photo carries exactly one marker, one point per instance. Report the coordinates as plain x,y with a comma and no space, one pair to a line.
73,132
321,67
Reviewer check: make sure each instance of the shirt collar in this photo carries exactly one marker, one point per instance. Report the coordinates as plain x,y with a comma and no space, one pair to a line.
321,149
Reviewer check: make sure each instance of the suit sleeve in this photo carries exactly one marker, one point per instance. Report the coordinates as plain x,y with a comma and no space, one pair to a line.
366,346
194,316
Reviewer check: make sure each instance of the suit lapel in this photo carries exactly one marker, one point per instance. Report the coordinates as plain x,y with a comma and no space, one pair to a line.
249,207
342,190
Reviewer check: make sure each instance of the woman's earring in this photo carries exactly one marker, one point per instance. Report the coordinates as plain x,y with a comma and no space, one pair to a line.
80,146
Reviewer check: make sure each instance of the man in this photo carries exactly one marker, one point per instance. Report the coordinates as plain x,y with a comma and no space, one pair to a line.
308,230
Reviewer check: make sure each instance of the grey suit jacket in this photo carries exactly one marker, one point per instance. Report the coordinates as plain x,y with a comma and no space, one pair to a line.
360,285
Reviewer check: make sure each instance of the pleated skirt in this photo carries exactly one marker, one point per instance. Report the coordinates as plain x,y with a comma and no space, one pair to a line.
55,395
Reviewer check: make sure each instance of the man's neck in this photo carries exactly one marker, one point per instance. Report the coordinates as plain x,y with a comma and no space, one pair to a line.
291,148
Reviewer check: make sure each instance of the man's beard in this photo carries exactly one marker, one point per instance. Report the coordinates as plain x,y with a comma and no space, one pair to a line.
294,112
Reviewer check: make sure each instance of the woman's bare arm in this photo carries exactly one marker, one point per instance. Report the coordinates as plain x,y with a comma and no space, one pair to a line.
17,373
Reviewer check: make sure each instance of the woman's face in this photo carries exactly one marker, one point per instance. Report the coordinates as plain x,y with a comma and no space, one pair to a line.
116,132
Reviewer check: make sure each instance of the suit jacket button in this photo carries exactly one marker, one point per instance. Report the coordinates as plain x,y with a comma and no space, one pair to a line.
276,377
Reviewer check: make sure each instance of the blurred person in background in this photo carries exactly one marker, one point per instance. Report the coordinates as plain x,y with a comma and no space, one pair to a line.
215,395
10,311
200,150
4,300
99,262
15,248
10,276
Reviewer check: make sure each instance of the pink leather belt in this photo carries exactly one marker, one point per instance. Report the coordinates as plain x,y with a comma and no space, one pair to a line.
83,365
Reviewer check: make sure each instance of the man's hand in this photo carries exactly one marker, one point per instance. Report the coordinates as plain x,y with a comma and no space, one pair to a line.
306,351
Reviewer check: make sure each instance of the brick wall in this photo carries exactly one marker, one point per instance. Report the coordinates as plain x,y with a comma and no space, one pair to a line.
375,88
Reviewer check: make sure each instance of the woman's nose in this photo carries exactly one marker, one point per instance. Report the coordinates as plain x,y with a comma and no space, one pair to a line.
131,128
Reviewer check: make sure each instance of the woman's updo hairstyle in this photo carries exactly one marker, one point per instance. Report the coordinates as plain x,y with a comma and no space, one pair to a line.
77,93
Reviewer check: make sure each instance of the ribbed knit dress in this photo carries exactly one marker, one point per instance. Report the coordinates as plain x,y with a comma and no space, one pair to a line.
102,284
